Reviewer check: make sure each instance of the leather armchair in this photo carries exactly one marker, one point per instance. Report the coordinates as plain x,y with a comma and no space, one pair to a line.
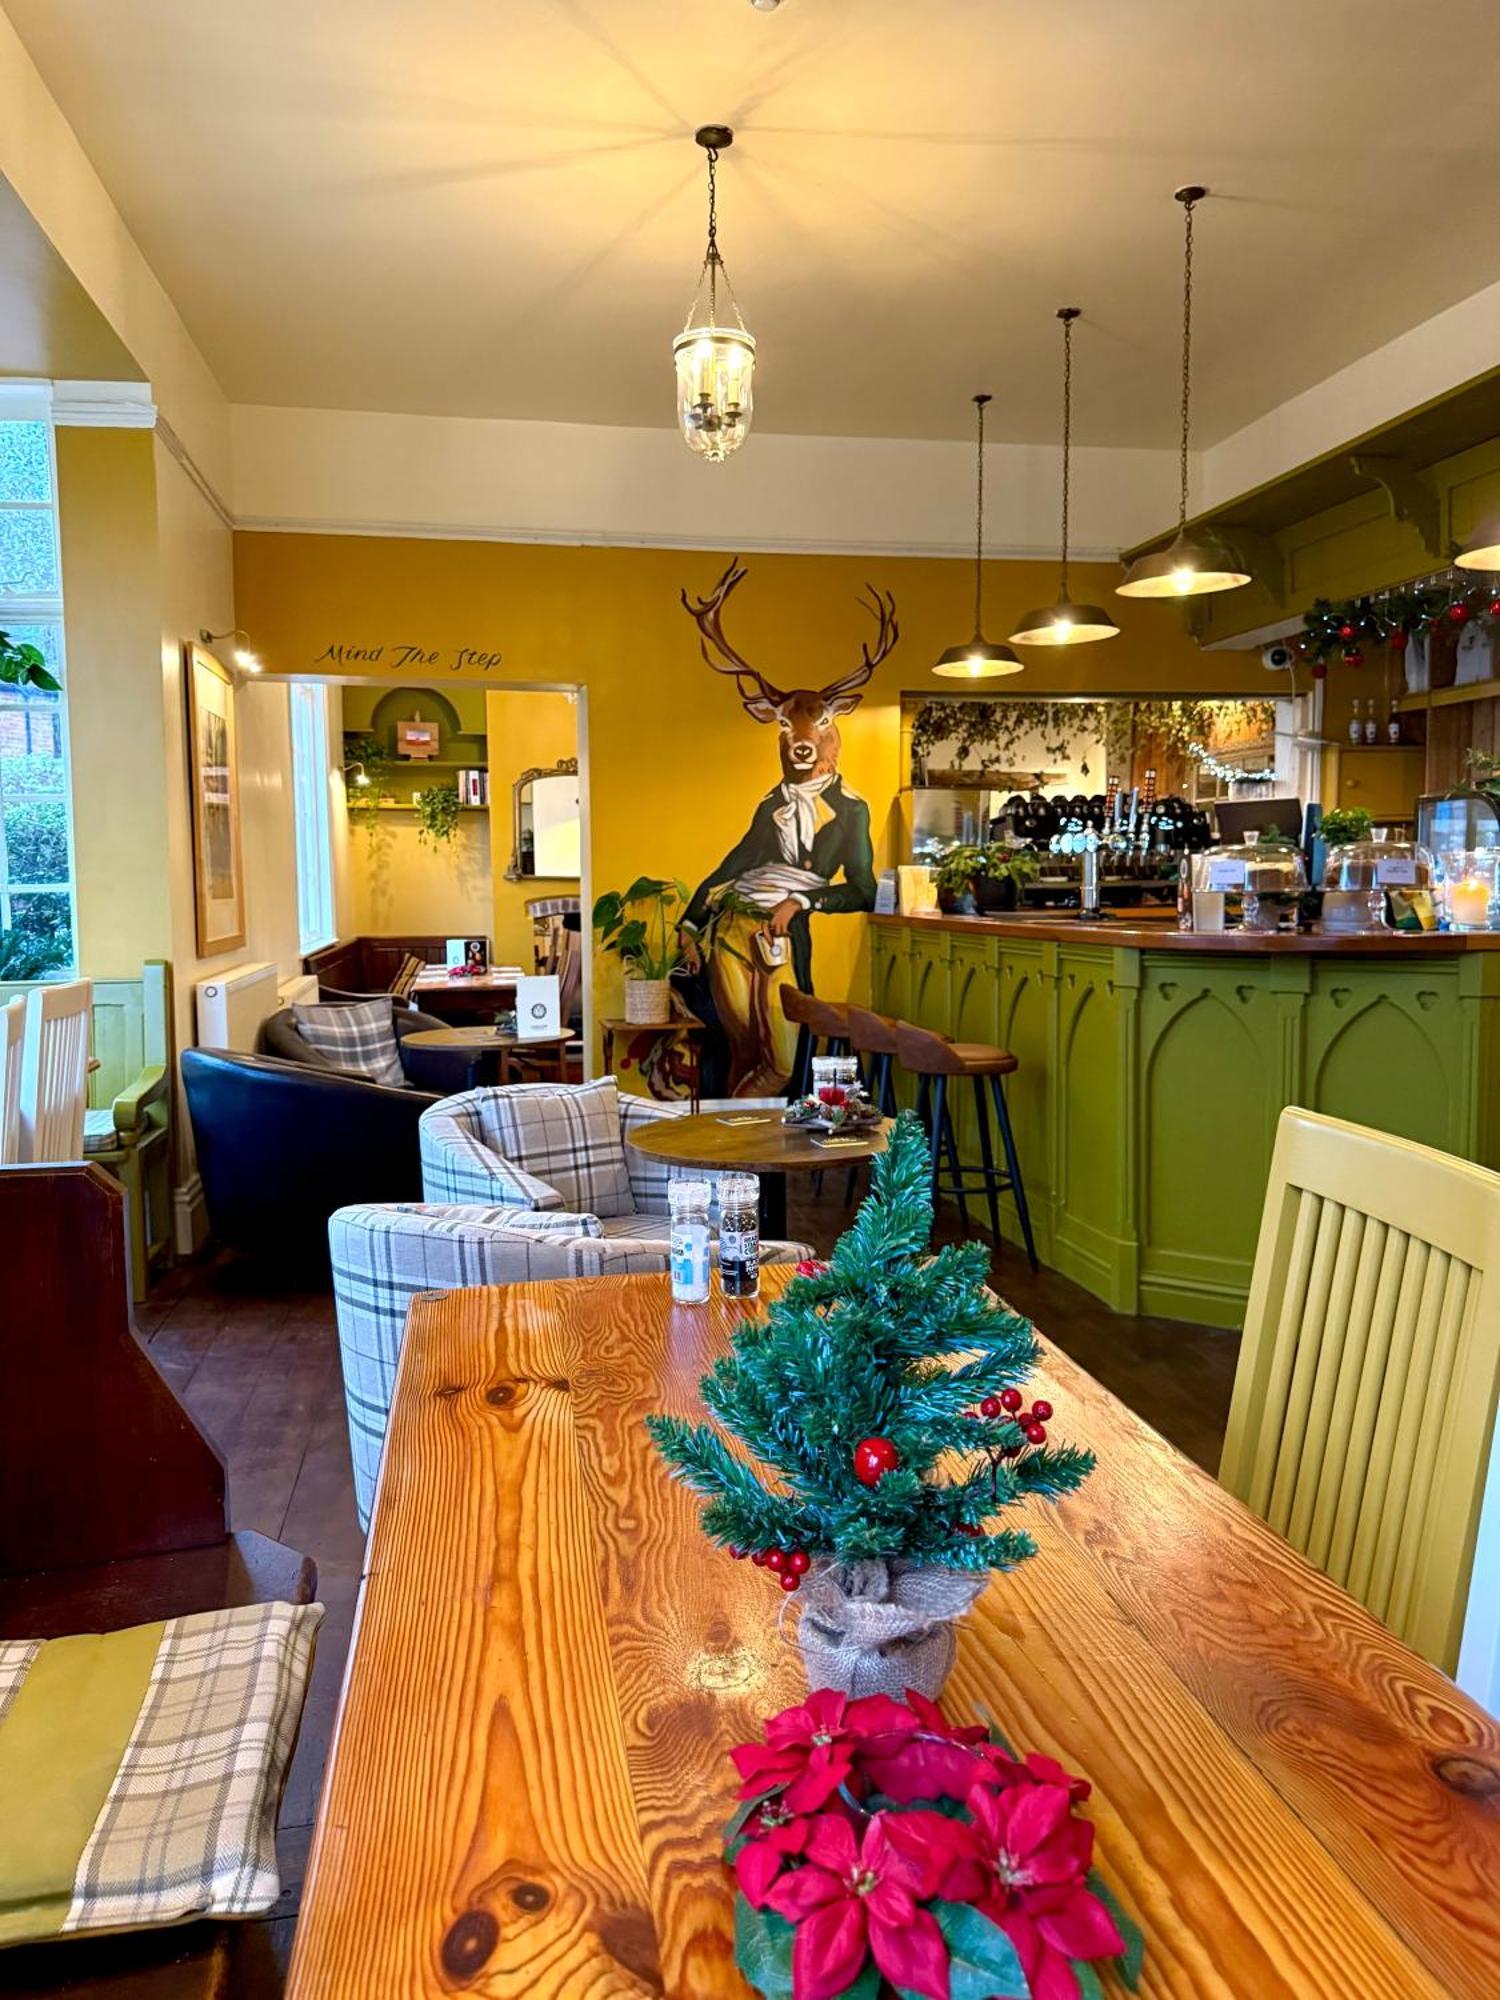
445,1071
281,1145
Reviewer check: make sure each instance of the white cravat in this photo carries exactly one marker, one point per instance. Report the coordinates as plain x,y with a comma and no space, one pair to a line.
797,819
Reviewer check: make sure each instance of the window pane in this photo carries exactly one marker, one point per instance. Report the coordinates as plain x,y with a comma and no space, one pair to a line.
36,938
28,552
310,779
25,462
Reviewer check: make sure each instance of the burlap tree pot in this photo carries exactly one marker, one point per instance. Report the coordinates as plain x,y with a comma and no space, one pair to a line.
882,1627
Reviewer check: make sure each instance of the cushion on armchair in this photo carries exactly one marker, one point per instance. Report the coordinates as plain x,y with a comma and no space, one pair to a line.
142,1770
359,1038
570,1138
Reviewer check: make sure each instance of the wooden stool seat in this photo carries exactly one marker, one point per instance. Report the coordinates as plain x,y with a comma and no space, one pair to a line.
933,1059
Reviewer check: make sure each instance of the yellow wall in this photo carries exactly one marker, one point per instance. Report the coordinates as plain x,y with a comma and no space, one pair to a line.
111,591
526,732
675,766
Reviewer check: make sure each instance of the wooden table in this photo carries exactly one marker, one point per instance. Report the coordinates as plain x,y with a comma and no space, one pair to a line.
762,1144
487,1042
461,997
530,1769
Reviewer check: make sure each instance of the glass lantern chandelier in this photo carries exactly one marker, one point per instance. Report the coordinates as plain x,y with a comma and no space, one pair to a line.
978,659
1186,568
1065,623
715,362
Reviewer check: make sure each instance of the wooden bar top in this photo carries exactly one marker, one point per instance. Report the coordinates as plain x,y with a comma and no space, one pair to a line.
550,1664
1140,930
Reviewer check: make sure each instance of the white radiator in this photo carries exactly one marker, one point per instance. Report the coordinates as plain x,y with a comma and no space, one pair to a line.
299,992
232,1005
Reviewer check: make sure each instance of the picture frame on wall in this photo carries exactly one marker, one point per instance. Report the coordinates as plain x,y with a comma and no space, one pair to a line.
214,802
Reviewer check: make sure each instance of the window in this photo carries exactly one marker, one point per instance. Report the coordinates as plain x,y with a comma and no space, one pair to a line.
316,921
37,921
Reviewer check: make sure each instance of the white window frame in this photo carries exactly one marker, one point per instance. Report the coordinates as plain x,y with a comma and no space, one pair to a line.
317,914
31,402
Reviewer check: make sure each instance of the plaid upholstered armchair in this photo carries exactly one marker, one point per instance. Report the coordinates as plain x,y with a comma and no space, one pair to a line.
383,1253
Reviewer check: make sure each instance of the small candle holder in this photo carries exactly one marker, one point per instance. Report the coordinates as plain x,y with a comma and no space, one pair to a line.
1468,890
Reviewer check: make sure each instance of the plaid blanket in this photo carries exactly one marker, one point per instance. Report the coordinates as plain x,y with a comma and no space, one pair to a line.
141,1771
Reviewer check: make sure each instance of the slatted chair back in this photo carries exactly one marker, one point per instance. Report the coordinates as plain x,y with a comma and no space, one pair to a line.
55,1071
12,1037
406,976
1364,1400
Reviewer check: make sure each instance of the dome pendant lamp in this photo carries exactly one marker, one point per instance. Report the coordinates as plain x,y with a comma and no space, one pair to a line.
978,659
1186,568
1482,549
715,363
1065,623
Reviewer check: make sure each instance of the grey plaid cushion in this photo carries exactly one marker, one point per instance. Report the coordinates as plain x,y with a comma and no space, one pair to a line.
567,1136
358,1037
458,1165
648,1178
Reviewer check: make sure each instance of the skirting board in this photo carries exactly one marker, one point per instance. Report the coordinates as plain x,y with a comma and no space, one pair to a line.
189,1218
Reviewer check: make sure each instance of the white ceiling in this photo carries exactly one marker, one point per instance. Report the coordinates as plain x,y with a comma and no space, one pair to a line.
495,207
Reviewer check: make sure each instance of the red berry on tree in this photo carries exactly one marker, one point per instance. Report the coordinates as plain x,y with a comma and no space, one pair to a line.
798,1563
1010,1451
874,1457
759,1558
739,1554
990,1407
790,1580
1458,614
965,1529
1041,1411
776,1559
1035,1433
1011,1399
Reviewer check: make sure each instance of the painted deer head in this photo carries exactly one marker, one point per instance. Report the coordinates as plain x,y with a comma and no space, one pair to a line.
806,717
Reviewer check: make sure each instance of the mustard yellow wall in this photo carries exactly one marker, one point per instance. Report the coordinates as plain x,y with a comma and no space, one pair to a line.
526,732
675,766
111,603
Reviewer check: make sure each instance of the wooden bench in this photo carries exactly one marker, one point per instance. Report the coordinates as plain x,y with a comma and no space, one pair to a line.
113,1512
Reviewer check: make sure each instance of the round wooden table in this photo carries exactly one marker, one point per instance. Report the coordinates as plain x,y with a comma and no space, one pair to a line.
479,1041
760,1143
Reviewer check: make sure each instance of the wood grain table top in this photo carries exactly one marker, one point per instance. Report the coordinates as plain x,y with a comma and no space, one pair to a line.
760,1144
550,1664
479,1038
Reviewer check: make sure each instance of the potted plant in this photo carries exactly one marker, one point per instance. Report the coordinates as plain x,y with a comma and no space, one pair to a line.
438,809
985,878
1346,894
640,927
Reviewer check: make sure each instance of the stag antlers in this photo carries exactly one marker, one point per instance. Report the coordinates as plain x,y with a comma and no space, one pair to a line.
707,614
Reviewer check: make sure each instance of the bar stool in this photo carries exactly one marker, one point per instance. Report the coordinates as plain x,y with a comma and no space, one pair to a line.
873,1036
934,1059
825,1021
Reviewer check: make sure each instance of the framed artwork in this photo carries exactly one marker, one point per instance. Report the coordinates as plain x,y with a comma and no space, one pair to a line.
214,800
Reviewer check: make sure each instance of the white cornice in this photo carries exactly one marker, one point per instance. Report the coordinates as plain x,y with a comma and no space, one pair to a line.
113,406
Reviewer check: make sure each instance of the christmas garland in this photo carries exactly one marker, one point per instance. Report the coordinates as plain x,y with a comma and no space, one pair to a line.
1347,627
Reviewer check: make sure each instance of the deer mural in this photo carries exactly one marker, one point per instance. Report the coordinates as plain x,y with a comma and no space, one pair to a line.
807,849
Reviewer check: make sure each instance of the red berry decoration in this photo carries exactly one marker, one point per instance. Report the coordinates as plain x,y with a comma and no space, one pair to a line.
739,1554
776,1559
873,1459
990,1407
1458,614
1494,607
1011,1399
798,1563
1034,1433
790,1580
1398,642
1346,630
1353,657
1041,1411
759,1558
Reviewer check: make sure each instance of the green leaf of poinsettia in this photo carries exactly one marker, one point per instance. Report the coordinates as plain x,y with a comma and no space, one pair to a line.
867,1986
763,1950
1129,1966
985,1965
1088,1980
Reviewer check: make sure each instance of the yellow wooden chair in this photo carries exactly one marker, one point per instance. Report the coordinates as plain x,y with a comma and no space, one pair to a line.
1365,1395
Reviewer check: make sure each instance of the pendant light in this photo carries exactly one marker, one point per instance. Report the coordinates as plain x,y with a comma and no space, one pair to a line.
978,659
1482,549
715,364
1187,568
1065,623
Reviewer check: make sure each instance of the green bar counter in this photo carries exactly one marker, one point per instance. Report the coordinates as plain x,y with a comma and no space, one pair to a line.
1154,1064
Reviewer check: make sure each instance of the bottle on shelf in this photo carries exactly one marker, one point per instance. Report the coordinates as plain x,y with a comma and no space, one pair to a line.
1393,724
1356,726
1372,732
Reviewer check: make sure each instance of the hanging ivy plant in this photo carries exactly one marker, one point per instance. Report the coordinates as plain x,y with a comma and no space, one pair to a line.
994,731
437,813
364,800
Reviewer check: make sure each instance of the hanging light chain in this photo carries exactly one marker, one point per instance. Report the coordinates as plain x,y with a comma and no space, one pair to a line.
712,261
1067,314
979,403
1189,197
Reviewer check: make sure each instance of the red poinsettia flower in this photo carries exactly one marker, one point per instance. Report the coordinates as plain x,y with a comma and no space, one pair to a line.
1040,1855
851,1899
811,1267
1039,1768
809,1751
772,1838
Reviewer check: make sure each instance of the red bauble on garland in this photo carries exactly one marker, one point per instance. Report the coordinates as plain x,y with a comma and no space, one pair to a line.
874,1457
1398,642
1458,614
1353,657
1346,630
1493,607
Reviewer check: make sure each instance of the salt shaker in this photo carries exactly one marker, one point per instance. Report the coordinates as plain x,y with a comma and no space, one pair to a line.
739,1236
688,1203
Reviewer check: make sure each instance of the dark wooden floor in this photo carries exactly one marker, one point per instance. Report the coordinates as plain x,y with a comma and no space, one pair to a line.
259,1369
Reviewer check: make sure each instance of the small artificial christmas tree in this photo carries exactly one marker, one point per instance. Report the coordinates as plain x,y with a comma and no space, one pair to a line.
879,1396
